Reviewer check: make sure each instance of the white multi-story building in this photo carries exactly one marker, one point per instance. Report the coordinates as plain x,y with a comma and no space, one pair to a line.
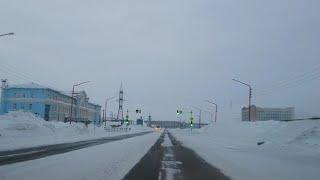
264,114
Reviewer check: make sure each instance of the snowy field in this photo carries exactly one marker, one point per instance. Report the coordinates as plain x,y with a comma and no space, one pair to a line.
291,150
107,161
22,129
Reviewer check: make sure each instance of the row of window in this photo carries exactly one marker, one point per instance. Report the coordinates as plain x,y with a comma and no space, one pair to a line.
22,95
23,106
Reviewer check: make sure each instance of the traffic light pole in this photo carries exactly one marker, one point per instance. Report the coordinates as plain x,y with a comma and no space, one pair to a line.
179,112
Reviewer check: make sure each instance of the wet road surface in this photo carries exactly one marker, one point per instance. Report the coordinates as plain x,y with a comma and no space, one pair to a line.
169,160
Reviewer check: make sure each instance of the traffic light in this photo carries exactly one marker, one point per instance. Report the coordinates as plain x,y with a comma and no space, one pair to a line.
191,124
127,119
138,111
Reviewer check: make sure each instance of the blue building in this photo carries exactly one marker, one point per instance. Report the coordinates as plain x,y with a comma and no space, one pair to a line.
47,103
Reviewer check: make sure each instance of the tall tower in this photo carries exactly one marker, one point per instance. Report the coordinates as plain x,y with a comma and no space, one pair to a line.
120,110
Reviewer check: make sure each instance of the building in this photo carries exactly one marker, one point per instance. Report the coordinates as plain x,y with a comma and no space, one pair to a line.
264,114
48,103
139,121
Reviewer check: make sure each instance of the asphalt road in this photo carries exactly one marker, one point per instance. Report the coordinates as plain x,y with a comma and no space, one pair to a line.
168,159
25,154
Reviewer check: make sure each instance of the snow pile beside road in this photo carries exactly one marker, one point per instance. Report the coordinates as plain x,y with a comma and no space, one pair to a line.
106,161
300,133
19,123
20,129
286,150
310,137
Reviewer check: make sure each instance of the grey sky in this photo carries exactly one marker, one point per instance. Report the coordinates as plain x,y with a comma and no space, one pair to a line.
168,53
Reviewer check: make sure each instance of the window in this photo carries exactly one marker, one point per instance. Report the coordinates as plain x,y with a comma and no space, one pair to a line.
14,106
30,106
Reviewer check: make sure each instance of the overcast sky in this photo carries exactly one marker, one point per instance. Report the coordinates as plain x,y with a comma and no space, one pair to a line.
168,54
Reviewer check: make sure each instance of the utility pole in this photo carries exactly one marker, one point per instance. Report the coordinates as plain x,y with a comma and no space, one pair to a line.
149,120
216,112
191,120
250,95
71,110
103,114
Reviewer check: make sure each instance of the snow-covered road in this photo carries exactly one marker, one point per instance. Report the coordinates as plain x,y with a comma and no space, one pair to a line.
106,161
25,154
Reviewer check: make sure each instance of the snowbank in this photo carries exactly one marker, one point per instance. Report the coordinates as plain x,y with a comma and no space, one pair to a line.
106,161
23,129
291,150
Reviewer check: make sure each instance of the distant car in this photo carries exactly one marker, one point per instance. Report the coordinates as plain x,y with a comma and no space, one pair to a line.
158,128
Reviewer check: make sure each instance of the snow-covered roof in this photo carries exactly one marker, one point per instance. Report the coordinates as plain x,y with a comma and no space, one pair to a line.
33,85
29,86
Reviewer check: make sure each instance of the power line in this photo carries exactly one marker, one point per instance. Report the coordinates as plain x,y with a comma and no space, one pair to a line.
297,81
19,75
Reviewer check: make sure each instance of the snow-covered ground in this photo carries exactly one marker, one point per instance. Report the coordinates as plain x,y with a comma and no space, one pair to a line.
291,149
107,161
22,129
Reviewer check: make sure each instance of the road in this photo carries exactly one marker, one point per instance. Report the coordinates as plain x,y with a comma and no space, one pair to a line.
25,154
152,156
168,160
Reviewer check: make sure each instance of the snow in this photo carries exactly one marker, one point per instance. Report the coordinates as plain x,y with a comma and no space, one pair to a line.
291,149
20,129
31,85
169,166
107,161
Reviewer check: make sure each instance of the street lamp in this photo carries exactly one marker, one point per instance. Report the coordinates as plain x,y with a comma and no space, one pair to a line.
210,113
7,34
105,110
215,117
71,110
200,112
250,95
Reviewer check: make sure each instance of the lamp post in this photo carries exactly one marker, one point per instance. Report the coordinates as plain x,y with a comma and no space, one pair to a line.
105,110
250,94
71,110
7,34
210,113
216,112
200,113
